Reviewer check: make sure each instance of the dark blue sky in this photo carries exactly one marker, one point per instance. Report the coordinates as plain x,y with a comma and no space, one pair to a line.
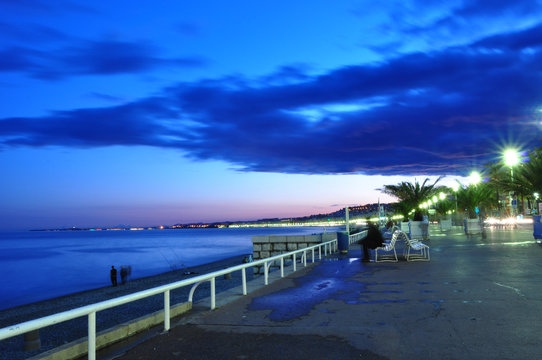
175,112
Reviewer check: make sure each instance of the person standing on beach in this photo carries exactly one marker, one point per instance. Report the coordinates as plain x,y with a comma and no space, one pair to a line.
113,276
123,274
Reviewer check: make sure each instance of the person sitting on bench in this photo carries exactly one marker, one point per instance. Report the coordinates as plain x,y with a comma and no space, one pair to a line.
373,240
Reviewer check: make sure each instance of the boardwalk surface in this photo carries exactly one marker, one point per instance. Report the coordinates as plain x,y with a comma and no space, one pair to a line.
478,298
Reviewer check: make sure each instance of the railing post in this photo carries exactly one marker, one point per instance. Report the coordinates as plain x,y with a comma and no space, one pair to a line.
320,252
305,258
295,260
282,267
92,336
213,294
265,272
244,277
166,311
312,254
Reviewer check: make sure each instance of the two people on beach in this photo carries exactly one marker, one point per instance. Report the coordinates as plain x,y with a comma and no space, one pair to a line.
125,272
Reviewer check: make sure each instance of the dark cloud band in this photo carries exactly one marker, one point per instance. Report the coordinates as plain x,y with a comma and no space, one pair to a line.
422,113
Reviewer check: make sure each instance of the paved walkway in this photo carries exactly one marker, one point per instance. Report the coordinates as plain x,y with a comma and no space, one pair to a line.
478,298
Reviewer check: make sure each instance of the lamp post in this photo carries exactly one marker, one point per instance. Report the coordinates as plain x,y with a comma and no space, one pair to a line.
455,188
511,158
475,178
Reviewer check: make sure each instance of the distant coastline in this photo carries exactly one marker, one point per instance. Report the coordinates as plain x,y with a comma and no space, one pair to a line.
336,218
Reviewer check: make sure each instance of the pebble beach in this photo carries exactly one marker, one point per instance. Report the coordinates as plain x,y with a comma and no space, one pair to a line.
68,331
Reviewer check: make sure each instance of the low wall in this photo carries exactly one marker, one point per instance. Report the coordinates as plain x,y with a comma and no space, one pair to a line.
270,245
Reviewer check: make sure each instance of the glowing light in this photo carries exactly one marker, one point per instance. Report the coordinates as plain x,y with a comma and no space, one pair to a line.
508,221
441,196
511,157
536,195
455,186
475,178
435,199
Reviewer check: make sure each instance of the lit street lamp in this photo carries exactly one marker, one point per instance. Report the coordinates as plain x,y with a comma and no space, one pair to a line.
455,188
511,158
475,178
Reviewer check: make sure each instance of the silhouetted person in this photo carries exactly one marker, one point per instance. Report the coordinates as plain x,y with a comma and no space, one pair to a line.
373,240
123,274
113,276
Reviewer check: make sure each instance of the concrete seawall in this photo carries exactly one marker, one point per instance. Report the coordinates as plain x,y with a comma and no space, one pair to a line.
271,245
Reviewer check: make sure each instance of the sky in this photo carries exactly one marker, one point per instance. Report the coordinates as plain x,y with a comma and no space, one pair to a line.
156,113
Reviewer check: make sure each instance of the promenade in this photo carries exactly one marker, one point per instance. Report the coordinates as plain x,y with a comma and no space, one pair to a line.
478,298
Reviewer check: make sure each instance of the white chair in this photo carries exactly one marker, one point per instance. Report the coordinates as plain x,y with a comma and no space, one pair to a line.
415,250
388,249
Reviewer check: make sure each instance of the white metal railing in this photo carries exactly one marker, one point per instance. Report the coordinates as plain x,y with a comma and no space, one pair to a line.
357,237
91,310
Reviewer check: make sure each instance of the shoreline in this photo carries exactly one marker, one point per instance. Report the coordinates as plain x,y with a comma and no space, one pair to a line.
58,334
85,297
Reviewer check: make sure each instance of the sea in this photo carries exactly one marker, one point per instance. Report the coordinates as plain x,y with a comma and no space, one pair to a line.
39,265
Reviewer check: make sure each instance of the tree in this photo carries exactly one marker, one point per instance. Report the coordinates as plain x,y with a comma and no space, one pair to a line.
402,208
529,174
498,181
411,195
443,207
479,196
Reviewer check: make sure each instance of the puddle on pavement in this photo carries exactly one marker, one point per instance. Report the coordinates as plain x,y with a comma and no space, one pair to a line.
332,279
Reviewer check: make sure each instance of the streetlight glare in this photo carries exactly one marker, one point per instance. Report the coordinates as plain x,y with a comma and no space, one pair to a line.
442,196
455,186
475,178
511,157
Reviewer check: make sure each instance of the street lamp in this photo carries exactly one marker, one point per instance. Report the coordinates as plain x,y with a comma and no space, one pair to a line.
455,188
475,178
511,158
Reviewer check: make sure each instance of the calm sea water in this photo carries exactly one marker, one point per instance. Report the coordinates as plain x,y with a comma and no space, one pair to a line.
40,265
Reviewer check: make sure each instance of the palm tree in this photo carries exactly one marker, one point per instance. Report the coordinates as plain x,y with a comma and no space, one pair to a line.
528,177
498,181
444,207
402,208
411,195
479,196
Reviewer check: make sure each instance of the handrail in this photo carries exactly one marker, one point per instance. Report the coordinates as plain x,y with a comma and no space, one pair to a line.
92,309
356,237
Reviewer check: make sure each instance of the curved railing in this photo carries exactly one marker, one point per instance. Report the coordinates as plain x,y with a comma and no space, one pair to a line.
91,310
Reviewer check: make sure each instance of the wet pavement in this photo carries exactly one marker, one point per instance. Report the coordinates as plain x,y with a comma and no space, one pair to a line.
478,298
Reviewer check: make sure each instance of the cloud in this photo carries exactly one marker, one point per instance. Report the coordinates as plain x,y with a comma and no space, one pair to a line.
441,112
428,26
30,33
106,57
